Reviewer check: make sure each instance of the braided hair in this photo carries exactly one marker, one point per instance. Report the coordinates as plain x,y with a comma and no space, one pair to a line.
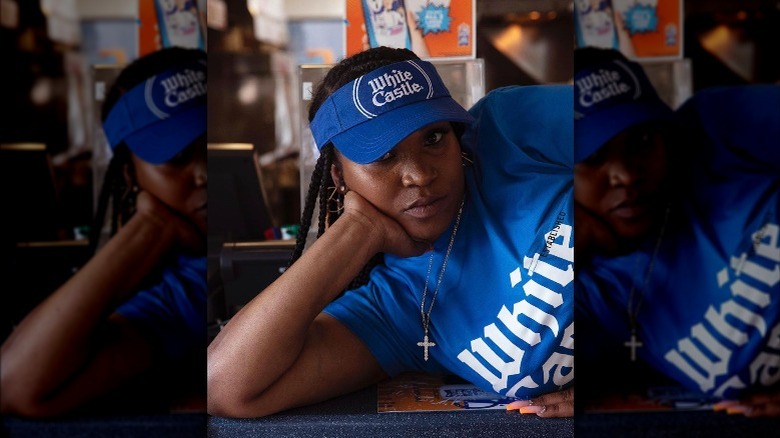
115,190
322,190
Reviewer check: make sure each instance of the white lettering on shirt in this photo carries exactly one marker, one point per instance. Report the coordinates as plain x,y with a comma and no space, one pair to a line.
735,320
489,364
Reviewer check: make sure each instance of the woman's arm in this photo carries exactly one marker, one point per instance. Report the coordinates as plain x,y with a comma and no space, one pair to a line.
418,42
279,351
71,348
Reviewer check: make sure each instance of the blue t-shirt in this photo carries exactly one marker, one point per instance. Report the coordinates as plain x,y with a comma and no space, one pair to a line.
710,312
172,313
503,317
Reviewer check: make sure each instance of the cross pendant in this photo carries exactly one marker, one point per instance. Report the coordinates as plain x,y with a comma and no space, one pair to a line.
425,344
633,343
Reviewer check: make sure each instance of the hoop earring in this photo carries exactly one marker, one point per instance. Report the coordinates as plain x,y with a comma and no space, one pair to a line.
336,195
127,203
465,159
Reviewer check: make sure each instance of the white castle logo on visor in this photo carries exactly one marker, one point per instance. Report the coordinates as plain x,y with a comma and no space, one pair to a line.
604,84
177,89
396,85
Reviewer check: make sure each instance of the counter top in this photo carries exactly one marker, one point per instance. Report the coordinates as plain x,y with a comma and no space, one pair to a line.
355,415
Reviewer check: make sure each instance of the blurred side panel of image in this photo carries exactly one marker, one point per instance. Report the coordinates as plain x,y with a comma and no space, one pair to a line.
103,327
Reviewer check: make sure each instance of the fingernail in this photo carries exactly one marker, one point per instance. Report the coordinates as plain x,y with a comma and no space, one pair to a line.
517,404
723,405
739,409
532,409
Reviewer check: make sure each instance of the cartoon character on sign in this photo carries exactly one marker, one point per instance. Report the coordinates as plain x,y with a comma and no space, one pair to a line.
595,24
179,23
386,23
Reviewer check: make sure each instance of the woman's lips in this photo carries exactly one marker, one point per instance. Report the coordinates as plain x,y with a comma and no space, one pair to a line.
425,208
630,210
202,210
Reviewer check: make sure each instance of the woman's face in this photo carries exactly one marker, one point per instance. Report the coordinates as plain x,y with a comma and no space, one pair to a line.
419,183
180,183
623,183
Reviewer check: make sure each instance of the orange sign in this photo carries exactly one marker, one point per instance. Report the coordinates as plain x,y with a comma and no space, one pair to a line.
653,31
431,28
148,31
640,29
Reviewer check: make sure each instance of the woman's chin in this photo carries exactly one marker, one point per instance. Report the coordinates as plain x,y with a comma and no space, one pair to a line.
427,235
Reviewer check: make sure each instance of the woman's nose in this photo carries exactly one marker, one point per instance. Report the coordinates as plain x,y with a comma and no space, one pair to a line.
200,170
418,172
624,172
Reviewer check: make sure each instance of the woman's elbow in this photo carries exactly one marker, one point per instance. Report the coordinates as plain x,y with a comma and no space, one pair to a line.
226,403
234,390
228,397
15,401
17,386
221,402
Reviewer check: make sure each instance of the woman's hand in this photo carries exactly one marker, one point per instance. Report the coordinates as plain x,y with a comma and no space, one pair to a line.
418,41
554,404
391,236
187,236
765,404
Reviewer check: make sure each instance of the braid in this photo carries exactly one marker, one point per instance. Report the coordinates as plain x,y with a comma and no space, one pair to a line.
100,214
363,275
325,183
321,191
116,195
111,192
308,209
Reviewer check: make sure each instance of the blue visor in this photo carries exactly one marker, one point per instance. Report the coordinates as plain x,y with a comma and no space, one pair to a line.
161,116
610,98
369,116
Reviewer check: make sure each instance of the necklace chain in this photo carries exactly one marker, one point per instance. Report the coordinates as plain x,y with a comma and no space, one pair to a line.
426,316
633,309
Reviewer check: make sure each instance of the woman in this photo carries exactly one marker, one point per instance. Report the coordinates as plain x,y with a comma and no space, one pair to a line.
139,304
677,232
449,266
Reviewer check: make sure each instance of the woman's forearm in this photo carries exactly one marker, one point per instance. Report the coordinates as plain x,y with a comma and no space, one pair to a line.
263,340
57,337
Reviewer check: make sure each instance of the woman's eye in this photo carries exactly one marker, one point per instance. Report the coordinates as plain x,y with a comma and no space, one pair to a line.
434,137
596,159
643,142
181,158
647,141
384,157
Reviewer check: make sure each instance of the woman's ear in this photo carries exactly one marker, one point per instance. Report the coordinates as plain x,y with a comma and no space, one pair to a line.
128,174
337,176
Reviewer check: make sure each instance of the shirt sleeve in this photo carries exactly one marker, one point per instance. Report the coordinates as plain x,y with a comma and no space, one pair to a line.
536,121
385,320
172,313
